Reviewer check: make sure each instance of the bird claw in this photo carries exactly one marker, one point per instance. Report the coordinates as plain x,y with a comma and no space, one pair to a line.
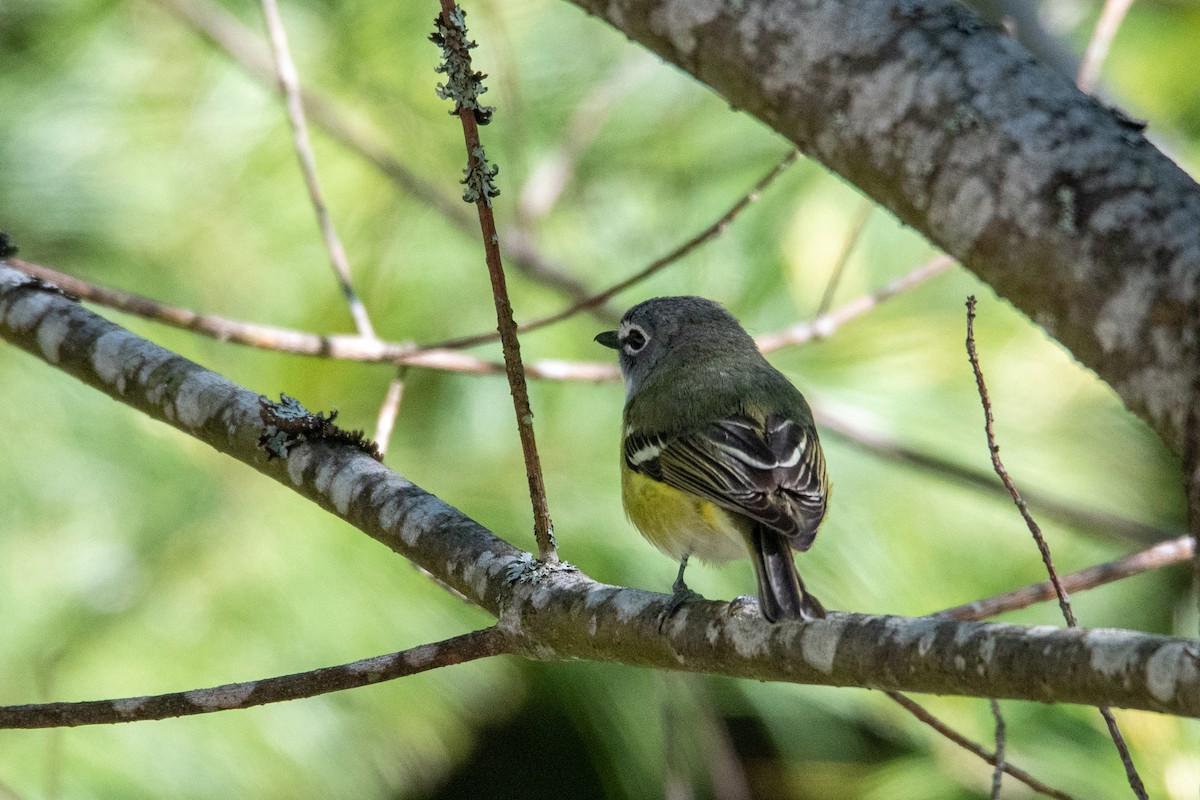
744,604
680,596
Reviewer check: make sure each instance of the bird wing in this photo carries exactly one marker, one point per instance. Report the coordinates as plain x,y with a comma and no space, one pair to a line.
771,471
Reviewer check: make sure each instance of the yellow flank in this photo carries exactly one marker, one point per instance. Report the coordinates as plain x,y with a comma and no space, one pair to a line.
681,524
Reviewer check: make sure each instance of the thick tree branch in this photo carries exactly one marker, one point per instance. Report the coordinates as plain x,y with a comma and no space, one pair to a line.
557,612
1058,202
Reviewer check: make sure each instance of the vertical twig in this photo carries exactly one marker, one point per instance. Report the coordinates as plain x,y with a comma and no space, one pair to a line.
1131,773
389,410
289,85
1064,603
998,774
463,86
1106,28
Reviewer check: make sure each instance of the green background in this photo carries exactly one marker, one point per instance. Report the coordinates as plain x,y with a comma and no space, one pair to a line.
134,560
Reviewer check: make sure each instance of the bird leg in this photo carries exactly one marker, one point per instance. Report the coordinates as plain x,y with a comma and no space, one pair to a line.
679,587
680,594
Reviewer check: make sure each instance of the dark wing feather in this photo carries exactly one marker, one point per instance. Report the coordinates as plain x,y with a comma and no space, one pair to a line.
772,472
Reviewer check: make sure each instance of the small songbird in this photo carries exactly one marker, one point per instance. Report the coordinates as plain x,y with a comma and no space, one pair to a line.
720,457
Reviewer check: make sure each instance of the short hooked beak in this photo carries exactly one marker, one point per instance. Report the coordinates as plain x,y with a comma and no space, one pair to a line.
609,339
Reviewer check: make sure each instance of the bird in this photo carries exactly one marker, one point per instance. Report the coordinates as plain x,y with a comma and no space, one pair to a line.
720,457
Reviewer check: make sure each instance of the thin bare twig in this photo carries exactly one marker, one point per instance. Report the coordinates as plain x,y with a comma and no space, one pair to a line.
1107,25
385,422
359,348
458,650
1163,554
289,85
998,774
839,264
716,228
284,340
825,324
462,86
1131,773
1064,602
223,30
918,711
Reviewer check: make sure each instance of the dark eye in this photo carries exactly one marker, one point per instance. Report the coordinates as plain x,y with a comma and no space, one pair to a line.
635,340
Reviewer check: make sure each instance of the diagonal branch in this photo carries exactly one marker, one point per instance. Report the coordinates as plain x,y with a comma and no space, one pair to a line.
559,613
957,738
285,340
289,86
459,650
866,209
1160,555
826,323
1056,201
1106,29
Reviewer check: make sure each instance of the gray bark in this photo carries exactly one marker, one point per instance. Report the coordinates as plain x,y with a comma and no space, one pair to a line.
559,613
1056,201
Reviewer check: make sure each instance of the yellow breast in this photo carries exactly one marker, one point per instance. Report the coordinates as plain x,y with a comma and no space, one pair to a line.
682,524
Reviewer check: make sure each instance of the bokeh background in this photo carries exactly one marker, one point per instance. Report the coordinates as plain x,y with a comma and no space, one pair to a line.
134,560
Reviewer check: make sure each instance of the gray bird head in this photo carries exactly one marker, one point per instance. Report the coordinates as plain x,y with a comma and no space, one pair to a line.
664,335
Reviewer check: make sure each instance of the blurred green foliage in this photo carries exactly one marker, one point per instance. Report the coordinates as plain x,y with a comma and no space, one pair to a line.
134,560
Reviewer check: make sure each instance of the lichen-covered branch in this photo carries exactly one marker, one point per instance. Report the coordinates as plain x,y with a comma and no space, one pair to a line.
1058,202
463,86
556,612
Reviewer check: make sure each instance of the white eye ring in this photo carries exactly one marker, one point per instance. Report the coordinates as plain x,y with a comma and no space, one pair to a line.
633,338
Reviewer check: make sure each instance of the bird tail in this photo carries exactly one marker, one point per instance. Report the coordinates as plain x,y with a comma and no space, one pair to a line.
781,593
